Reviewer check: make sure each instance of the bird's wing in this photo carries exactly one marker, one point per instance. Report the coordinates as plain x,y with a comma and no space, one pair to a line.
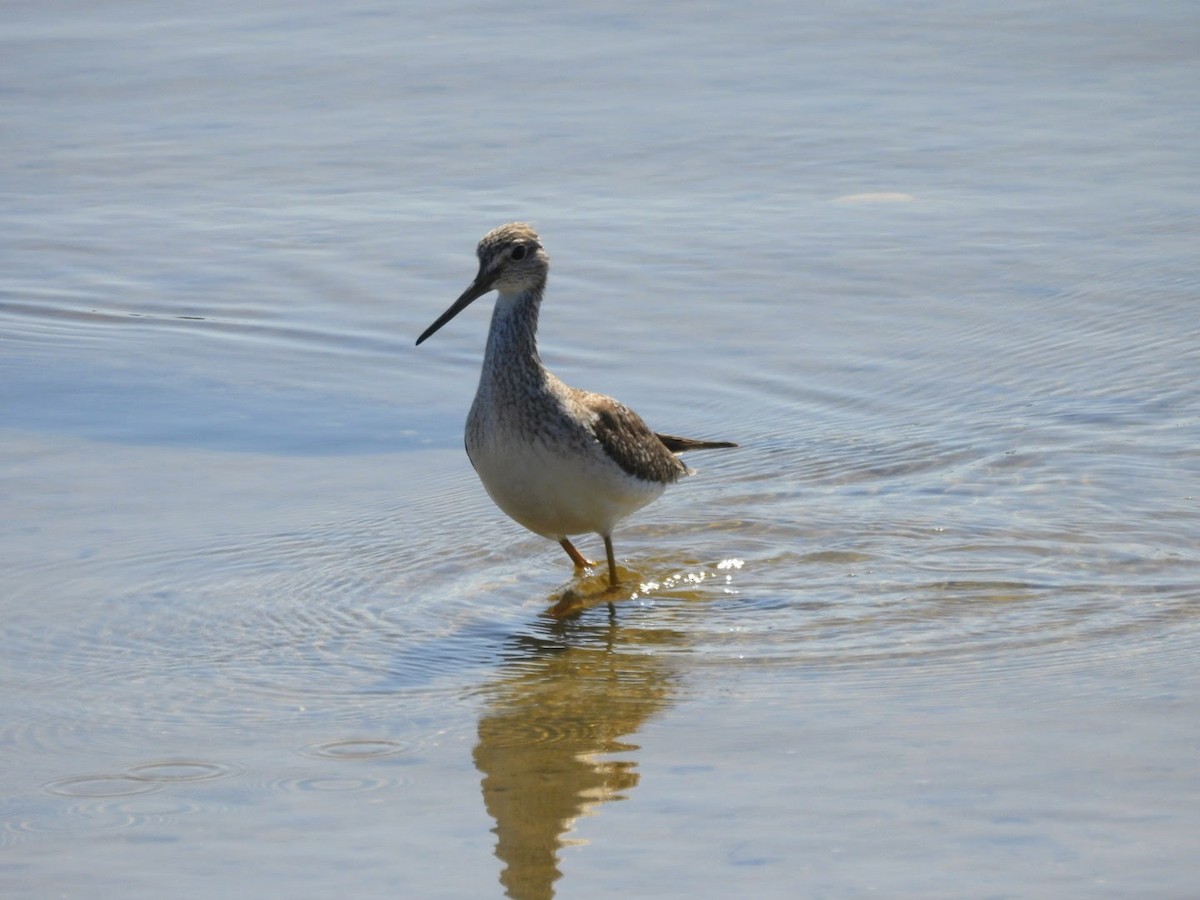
629,442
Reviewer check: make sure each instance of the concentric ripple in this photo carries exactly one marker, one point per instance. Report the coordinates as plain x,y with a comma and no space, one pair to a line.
101,786
335,784
362,748
181,770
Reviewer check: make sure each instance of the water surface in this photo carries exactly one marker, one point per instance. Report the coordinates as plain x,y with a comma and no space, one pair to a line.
931,630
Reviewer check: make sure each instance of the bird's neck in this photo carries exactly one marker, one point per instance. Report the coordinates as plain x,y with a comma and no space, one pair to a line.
512,339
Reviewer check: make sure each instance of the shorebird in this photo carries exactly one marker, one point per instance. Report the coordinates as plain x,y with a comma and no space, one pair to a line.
559,460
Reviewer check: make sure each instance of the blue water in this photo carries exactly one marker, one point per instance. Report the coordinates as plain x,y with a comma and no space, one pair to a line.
931,631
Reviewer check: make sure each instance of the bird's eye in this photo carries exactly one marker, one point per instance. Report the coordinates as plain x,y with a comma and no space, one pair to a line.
518,252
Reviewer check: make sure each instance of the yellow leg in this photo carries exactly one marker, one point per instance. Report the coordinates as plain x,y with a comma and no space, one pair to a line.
576,556
612,560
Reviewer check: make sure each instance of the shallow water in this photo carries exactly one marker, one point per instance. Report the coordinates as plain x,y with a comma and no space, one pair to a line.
931,630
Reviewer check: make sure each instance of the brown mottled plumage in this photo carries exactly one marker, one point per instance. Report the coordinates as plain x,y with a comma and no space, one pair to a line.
558,460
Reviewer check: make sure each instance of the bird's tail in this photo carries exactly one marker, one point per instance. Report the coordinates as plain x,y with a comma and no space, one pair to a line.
682,444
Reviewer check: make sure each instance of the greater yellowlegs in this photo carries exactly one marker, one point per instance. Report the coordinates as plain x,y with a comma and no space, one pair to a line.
558,460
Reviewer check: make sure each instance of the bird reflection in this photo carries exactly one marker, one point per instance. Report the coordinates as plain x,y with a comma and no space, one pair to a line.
550,738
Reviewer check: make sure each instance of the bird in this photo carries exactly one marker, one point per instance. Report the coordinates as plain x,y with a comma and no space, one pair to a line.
558,460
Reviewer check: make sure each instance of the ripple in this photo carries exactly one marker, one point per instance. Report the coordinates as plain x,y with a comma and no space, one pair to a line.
364,748
79,318
78,819
858,545
858,587
96,813
100,786
333,601
531,731
181,770
153,809
807,577
336,784
51,735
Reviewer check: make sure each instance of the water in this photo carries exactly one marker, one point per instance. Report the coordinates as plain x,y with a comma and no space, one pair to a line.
930,631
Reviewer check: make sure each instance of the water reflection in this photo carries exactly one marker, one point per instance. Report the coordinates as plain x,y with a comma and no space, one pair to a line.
552,727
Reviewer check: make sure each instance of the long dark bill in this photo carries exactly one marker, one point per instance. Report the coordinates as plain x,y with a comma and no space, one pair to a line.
478,288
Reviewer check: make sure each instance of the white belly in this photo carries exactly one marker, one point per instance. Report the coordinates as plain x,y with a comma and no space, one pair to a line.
554,489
